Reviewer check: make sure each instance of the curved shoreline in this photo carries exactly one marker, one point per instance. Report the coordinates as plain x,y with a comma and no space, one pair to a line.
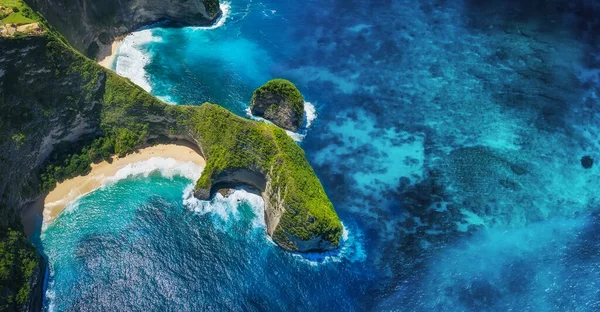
69,190
108,54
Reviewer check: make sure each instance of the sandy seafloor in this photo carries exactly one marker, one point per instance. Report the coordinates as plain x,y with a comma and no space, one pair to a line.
448,135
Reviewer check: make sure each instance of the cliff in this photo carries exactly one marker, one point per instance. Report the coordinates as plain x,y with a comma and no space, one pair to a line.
92,25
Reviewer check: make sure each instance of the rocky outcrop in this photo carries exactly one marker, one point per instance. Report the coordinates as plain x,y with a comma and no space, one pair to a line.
92,25
262,156
280,102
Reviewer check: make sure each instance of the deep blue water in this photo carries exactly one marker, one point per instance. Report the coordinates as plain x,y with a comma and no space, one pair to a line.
449,137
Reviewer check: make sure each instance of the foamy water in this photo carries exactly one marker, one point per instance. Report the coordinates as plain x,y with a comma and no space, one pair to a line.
167,167
351,250
131,58
310,114
225,12
226,209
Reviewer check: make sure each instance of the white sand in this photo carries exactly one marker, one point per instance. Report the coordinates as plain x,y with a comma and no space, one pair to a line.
109,59
71,189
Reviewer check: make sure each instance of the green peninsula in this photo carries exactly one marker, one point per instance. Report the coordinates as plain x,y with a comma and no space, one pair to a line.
61,112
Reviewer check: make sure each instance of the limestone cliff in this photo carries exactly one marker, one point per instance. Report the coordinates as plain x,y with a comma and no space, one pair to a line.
92,25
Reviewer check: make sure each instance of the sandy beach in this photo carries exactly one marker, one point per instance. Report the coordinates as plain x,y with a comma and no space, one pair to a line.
70,190
108,56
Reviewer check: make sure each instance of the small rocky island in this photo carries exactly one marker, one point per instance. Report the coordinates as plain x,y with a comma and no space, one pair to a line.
280,102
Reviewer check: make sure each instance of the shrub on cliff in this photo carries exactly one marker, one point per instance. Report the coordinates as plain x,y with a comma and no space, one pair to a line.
18,263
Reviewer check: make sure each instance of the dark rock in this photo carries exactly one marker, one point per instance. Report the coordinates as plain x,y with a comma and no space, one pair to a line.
91,26
280,102
587,162
202,193
226,192
510,184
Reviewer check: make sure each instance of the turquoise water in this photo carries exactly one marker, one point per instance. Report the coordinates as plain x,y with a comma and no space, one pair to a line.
448,135
143,242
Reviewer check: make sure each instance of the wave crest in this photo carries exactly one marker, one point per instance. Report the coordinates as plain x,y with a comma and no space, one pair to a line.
310,113
226,209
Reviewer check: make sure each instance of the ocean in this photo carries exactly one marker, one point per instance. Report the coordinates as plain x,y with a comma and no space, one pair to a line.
448,135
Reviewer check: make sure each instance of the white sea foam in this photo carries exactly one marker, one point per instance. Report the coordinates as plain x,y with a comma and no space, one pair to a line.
225,12
309,111
226,209
351,249
168,168
131,60
167,99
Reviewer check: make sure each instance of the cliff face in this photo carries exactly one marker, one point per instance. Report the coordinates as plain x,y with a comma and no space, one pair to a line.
42,103
91,25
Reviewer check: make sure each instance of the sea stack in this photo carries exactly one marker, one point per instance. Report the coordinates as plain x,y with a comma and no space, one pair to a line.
280,102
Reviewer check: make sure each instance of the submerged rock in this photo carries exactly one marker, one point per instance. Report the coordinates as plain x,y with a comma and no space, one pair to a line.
587,162
280,102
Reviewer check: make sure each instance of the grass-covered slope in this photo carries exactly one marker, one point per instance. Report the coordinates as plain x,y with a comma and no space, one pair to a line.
15,12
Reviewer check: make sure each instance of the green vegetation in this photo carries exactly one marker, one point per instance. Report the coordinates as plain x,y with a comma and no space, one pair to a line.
122,117
11,3
20,13
123,127
308,209
230,141
17,19
284,88
69,161
18,263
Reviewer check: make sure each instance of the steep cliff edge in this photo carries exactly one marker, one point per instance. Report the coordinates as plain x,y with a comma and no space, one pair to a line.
91,25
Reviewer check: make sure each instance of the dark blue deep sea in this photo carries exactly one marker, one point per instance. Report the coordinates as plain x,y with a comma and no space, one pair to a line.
449,136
